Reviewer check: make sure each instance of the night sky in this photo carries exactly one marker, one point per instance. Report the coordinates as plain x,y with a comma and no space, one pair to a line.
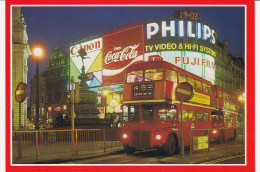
52,26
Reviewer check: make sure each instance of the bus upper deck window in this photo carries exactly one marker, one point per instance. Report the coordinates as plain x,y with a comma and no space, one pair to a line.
198,85
182,78
134,76
191,81
226,96
154,74
205,87
219,93
210,89
171,75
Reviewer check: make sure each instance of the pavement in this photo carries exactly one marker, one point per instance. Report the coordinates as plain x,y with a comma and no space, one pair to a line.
214,152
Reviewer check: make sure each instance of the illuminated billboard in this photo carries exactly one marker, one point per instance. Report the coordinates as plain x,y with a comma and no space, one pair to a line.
121,49
188,44
92,61
200,64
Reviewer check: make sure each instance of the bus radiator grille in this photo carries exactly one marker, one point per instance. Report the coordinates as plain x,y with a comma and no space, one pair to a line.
141,139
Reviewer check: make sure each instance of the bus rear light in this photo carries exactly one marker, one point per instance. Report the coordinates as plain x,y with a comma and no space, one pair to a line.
158,137
124,136
214,131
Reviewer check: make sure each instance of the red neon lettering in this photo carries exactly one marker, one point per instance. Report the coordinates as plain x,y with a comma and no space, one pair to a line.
177,59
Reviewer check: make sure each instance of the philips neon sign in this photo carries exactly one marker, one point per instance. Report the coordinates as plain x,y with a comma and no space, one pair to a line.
181,29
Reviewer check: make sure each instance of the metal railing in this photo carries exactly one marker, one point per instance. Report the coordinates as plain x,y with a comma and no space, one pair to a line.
227,136
29,146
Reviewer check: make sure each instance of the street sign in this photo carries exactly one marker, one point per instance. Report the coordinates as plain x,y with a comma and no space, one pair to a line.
184,91
21,92
200,142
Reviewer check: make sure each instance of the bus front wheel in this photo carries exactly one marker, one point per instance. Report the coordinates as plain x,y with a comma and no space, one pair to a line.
128,149
170,147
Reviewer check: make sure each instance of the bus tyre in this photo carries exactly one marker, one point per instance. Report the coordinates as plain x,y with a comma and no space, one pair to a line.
128,149
170,147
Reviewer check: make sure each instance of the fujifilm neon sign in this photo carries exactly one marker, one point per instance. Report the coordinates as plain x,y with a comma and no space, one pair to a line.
180,29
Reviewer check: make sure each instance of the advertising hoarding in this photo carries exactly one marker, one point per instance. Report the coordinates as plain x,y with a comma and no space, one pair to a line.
121,49
188,44
200,64
92,61
176,34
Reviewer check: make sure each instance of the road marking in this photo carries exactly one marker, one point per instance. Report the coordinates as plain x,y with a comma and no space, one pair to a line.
223,159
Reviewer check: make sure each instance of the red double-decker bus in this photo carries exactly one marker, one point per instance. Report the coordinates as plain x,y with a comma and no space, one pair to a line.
226,116
151,114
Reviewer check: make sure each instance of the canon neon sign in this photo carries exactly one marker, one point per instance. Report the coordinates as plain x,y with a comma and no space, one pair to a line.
89,46
180,29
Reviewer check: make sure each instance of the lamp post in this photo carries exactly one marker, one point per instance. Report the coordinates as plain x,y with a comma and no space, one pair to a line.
241,99
113,104
105,110
37,54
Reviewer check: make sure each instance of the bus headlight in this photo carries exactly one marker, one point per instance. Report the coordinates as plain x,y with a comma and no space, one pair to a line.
158,137
214,131
124,136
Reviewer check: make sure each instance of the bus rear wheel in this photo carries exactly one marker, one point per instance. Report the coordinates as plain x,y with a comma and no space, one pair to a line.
170,147
128,149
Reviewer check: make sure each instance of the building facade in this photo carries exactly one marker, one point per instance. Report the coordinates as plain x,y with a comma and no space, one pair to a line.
42,93
54,83
230,70
20,53
57,82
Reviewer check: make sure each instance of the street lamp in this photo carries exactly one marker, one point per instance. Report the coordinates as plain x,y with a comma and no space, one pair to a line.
37,54
113,104
241,99
105,95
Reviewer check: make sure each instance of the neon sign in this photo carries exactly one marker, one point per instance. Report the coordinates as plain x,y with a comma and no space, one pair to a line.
89,46
129,52
180,29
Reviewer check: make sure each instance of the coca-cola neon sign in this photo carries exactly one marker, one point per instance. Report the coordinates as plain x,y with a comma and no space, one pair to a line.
127,53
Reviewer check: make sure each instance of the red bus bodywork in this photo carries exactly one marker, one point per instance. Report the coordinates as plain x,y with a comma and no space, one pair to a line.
227,111
149,91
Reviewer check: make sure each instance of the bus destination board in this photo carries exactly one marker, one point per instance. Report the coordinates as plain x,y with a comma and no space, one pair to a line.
143,90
